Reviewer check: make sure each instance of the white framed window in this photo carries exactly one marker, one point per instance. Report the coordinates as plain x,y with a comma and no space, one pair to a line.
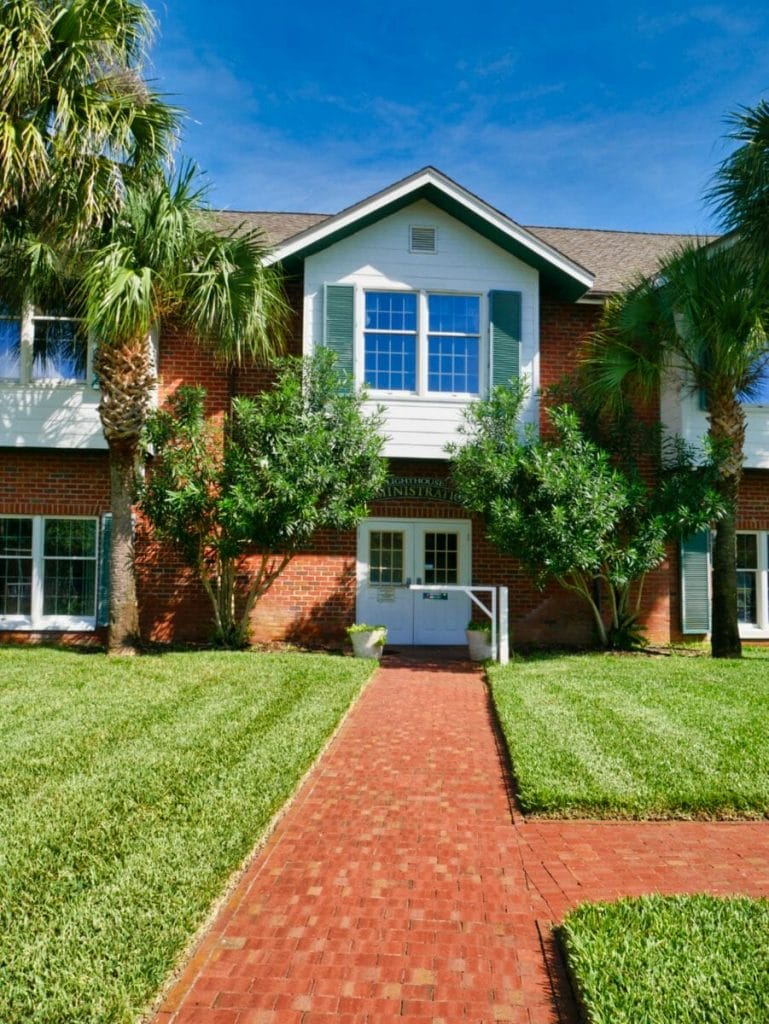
422,343
48,572
10,344
753,581
42,346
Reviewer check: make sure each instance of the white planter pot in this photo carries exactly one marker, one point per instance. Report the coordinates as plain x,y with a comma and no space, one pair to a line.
368,644
479,643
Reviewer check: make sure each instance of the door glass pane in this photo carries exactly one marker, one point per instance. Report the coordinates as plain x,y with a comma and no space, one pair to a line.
385,557
15,566
441,558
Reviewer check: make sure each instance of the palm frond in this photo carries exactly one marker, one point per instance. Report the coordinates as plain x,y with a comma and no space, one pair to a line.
740,189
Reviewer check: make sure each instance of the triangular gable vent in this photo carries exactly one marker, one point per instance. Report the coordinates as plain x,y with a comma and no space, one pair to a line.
423,239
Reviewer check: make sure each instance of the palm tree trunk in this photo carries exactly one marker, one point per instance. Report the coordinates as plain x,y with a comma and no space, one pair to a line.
727,428
124,609
725,634
126,381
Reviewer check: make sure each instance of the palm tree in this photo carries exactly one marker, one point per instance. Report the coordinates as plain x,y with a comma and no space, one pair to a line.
160,259
77,121
703,317
740,189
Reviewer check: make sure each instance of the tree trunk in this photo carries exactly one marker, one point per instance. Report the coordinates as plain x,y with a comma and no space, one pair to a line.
126,381
123,607
727,427
725,634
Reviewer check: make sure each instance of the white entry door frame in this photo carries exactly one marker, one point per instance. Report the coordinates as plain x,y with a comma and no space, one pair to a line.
393,554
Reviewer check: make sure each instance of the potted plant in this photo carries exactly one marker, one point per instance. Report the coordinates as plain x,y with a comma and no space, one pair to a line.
479,640
367,641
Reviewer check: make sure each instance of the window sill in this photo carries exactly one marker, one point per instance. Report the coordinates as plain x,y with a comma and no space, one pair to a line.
753,633
452,398
9,382
61,624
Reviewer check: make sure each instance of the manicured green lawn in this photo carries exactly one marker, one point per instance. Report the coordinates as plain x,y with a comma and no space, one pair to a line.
609,736
129,792
671,960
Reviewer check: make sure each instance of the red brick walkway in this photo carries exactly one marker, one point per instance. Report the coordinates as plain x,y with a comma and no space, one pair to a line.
400,884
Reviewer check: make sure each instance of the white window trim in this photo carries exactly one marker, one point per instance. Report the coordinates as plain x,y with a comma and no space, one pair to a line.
36,621
25,379
760,630
421,393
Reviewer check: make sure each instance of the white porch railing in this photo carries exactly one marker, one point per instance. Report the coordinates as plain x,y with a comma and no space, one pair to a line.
500,624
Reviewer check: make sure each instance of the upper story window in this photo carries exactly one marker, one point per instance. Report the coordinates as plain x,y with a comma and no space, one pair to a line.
454,342
42,345
424,343
10,344
390,341
59,347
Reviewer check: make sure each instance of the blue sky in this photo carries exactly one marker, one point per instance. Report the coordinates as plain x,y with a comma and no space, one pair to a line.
592,115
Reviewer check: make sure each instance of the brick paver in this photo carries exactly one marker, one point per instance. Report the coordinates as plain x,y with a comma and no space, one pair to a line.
402,883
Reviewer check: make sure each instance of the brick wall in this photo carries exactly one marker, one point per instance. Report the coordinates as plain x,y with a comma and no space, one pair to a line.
36,482
314,600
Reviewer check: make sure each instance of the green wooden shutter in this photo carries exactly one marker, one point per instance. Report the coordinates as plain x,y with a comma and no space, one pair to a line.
505,331
102,587
339,327
695,583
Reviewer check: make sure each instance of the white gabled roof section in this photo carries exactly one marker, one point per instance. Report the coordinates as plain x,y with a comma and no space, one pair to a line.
435,186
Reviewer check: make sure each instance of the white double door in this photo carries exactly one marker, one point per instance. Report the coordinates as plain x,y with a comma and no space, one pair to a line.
394,553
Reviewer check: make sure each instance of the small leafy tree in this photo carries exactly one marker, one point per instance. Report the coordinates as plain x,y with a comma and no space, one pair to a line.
568,512
296,458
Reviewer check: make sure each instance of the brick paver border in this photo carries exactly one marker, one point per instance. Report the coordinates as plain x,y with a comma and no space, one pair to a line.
402,884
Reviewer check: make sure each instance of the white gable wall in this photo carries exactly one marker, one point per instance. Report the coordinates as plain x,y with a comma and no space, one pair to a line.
378,258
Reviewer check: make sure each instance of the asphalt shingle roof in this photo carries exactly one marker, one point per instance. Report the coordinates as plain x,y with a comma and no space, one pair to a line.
615,258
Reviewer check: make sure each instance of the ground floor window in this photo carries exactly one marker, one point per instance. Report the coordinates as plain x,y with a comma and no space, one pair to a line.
752,578
48,569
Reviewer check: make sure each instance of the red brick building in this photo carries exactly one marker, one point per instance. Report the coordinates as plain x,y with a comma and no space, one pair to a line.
429,296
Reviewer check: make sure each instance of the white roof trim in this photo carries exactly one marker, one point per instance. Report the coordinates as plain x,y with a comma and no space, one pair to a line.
431,176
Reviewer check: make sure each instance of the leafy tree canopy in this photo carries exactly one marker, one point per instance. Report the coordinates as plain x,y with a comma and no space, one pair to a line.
296,458
575,512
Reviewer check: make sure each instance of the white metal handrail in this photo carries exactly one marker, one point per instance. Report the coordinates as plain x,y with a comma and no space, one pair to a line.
503,653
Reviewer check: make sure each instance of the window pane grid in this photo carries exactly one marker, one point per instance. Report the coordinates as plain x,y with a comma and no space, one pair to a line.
16,567
391,311
452,364
385,557
69,586
441,559
454,314
69,567
390,362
